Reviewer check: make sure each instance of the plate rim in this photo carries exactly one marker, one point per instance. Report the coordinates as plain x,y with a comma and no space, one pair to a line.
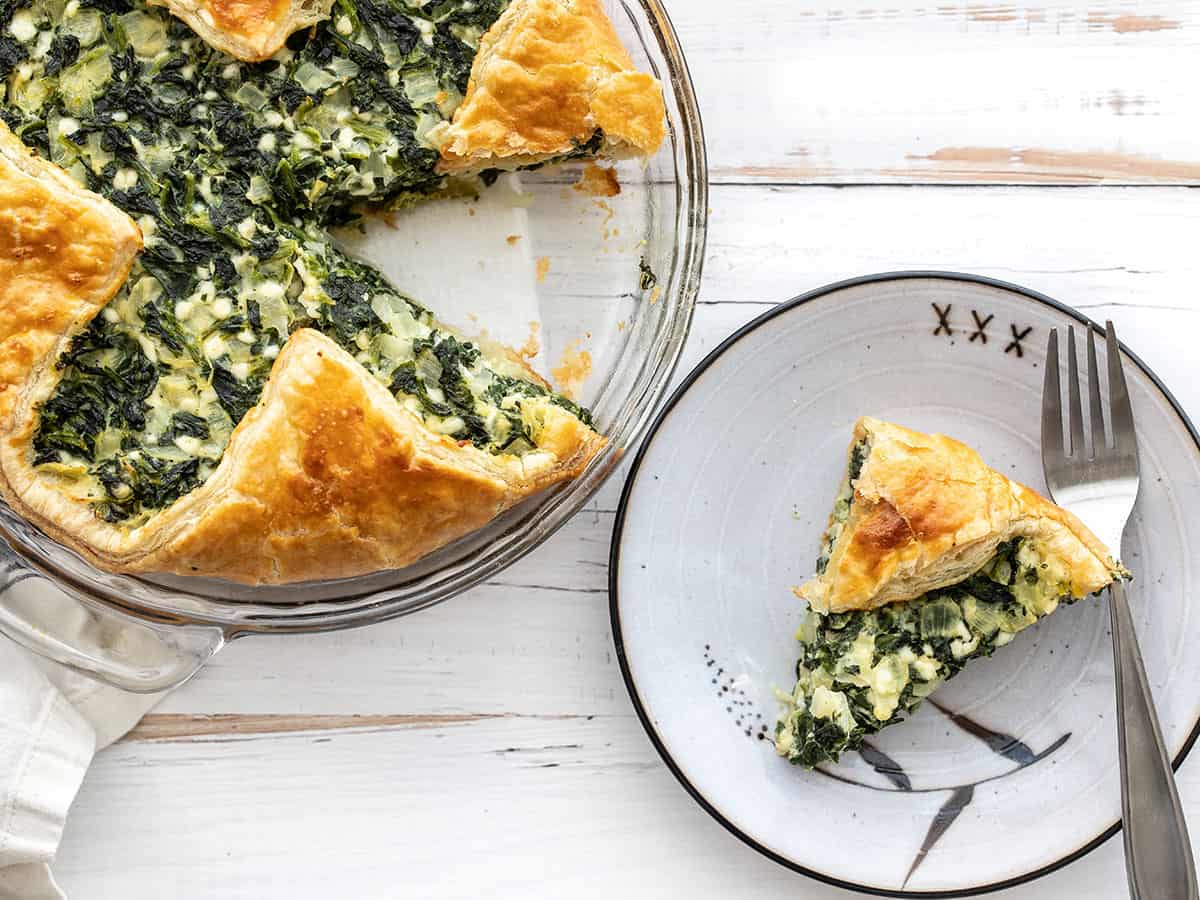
614,563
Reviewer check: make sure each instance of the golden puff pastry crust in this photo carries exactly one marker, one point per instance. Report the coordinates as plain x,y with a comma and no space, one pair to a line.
547,76
64,252
252,30
328,477
928,512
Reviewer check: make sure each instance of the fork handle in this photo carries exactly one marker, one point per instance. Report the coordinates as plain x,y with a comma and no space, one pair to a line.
1158,853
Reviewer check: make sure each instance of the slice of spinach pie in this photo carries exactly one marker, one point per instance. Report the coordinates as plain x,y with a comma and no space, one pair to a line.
931,559
251,402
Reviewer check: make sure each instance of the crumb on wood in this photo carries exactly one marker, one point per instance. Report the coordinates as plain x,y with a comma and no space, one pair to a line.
573,371
543,268
606,209
598,181
531,347
513,239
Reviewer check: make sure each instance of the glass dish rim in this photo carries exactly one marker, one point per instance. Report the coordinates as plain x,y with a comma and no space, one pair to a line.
375,604
614,560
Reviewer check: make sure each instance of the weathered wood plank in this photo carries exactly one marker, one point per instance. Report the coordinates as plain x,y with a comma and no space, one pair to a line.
505,808
176,727
916,91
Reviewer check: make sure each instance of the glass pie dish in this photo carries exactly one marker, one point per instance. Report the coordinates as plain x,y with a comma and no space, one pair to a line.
597,283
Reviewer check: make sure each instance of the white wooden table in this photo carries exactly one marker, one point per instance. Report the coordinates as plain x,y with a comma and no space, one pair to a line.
487,747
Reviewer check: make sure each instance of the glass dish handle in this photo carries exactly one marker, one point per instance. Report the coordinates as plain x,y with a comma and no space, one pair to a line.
123,651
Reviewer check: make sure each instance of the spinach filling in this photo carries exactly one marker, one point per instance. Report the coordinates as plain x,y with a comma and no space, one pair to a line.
861,671
234,171
843,503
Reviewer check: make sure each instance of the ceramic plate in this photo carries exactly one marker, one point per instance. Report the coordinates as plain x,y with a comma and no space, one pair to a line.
1012,770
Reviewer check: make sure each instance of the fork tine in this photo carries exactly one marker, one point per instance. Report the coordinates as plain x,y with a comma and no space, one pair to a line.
1099,443
1120,411
1076,404
1052,425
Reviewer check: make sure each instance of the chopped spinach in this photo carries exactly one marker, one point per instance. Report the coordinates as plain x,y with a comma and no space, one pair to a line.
63,52
236,396
350,312
647,277
136,482
861,671
185,424
111,379
858,457
11,53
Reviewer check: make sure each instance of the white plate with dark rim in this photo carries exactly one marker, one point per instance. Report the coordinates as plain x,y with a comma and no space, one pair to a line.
1014,772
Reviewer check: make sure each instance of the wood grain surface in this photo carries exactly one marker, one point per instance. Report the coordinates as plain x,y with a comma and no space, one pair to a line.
488,745
926,92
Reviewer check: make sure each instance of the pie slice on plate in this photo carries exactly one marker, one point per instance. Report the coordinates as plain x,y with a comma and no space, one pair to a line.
931,559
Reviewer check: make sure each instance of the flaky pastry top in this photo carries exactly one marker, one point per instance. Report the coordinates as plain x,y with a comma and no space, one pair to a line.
928,513
547,77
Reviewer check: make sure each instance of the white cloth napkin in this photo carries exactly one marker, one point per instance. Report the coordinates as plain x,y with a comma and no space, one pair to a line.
52,722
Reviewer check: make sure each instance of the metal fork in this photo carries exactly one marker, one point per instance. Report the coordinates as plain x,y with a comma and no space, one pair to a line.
1097,479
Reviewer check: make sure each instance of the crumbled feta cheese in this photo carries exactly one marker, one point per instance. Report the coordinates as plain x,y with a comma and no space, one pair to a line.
247,227
344,25
222,307
67,125
241,371
215,346
183,309
270,290
125,179
22,26
266,143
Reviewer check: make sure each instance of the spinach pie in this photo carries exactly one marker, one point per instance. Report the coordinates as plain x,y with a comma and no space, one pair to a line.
194,378
931,559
